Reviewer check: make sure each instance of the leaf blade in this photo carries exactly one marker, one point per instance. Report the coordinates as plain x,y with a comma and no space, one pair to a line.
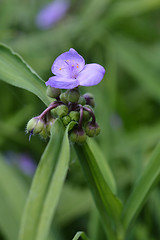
40,184
107,203
15,71
80,235
142,188
55,187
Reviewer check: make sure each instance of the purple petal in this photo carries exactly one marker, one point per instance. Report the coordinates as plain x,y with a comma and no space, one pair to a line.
62,82
68,64
52,13
91,75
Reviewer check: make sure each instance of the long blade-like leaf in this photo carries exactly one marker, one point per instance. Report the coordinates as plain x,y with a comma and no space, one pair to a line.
15,71
55,188
107,203
103,165
40,184
13,193
142,188
80,235
129,57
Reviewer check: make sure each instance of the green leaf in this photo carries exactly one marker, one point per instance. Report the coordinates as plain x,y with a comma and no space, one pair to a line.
129,57
40,184
80,235
13,193
123,9
55,187
107,203
70,208
142,188
103,165
15,71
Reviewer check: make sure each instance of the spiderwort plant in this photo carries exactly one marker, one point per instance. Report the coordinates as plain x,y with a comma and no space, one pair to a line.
70,72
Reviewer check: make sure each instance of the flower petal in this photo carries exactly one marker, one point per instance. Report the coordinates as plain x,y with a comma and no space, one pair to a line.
68,64
91,75
62,82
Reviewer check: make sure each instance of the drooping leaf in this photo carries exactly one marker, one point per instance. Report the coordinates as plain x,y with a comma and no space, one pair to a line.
15,71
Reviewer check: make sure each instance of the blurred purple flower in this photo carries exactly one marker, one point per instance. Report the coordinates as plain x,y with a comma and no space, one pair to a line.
26,164
23,161
52,13
71,71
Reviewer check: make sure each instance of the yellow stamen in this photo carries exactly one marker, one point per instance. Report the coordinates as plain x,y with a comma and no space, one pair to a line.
60,68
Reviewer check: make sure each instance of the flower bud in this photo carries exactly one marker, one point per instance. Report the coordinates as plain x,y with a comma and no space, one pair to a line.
89,99
49,125
73,95
35,125
53,92
86,114
62,110
92,129
78,136
63,98
82,100
74,115
66,120
44,134
54,112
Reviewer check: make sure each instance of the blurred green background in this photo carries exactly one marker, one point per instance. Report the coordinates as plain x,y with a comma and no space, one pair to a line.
124,37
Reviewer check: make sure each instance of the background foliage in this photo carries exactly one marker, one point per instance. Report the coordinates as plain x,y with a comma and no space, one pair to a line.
123,36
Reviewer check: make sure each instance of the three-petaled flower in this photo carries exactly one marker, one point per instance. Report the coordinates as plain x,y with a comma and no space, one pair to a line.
71,71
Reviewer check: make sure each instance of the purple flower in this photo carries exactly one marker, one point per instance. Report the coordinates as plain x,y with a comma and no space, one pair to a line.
52,13
23,161
71,71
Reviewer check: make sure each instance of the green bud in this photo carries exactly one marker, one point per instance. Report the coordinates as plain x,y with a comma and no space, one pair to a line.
73,95
54,112
92,129
82,100
89,99
44,134
35,125
78,136
66,120
49,125
63,98
53,92
86,114
62,110
74,115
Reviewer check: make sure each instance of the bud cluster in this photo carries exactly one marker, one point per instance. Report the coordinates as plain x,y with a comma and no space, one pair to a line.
68,106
